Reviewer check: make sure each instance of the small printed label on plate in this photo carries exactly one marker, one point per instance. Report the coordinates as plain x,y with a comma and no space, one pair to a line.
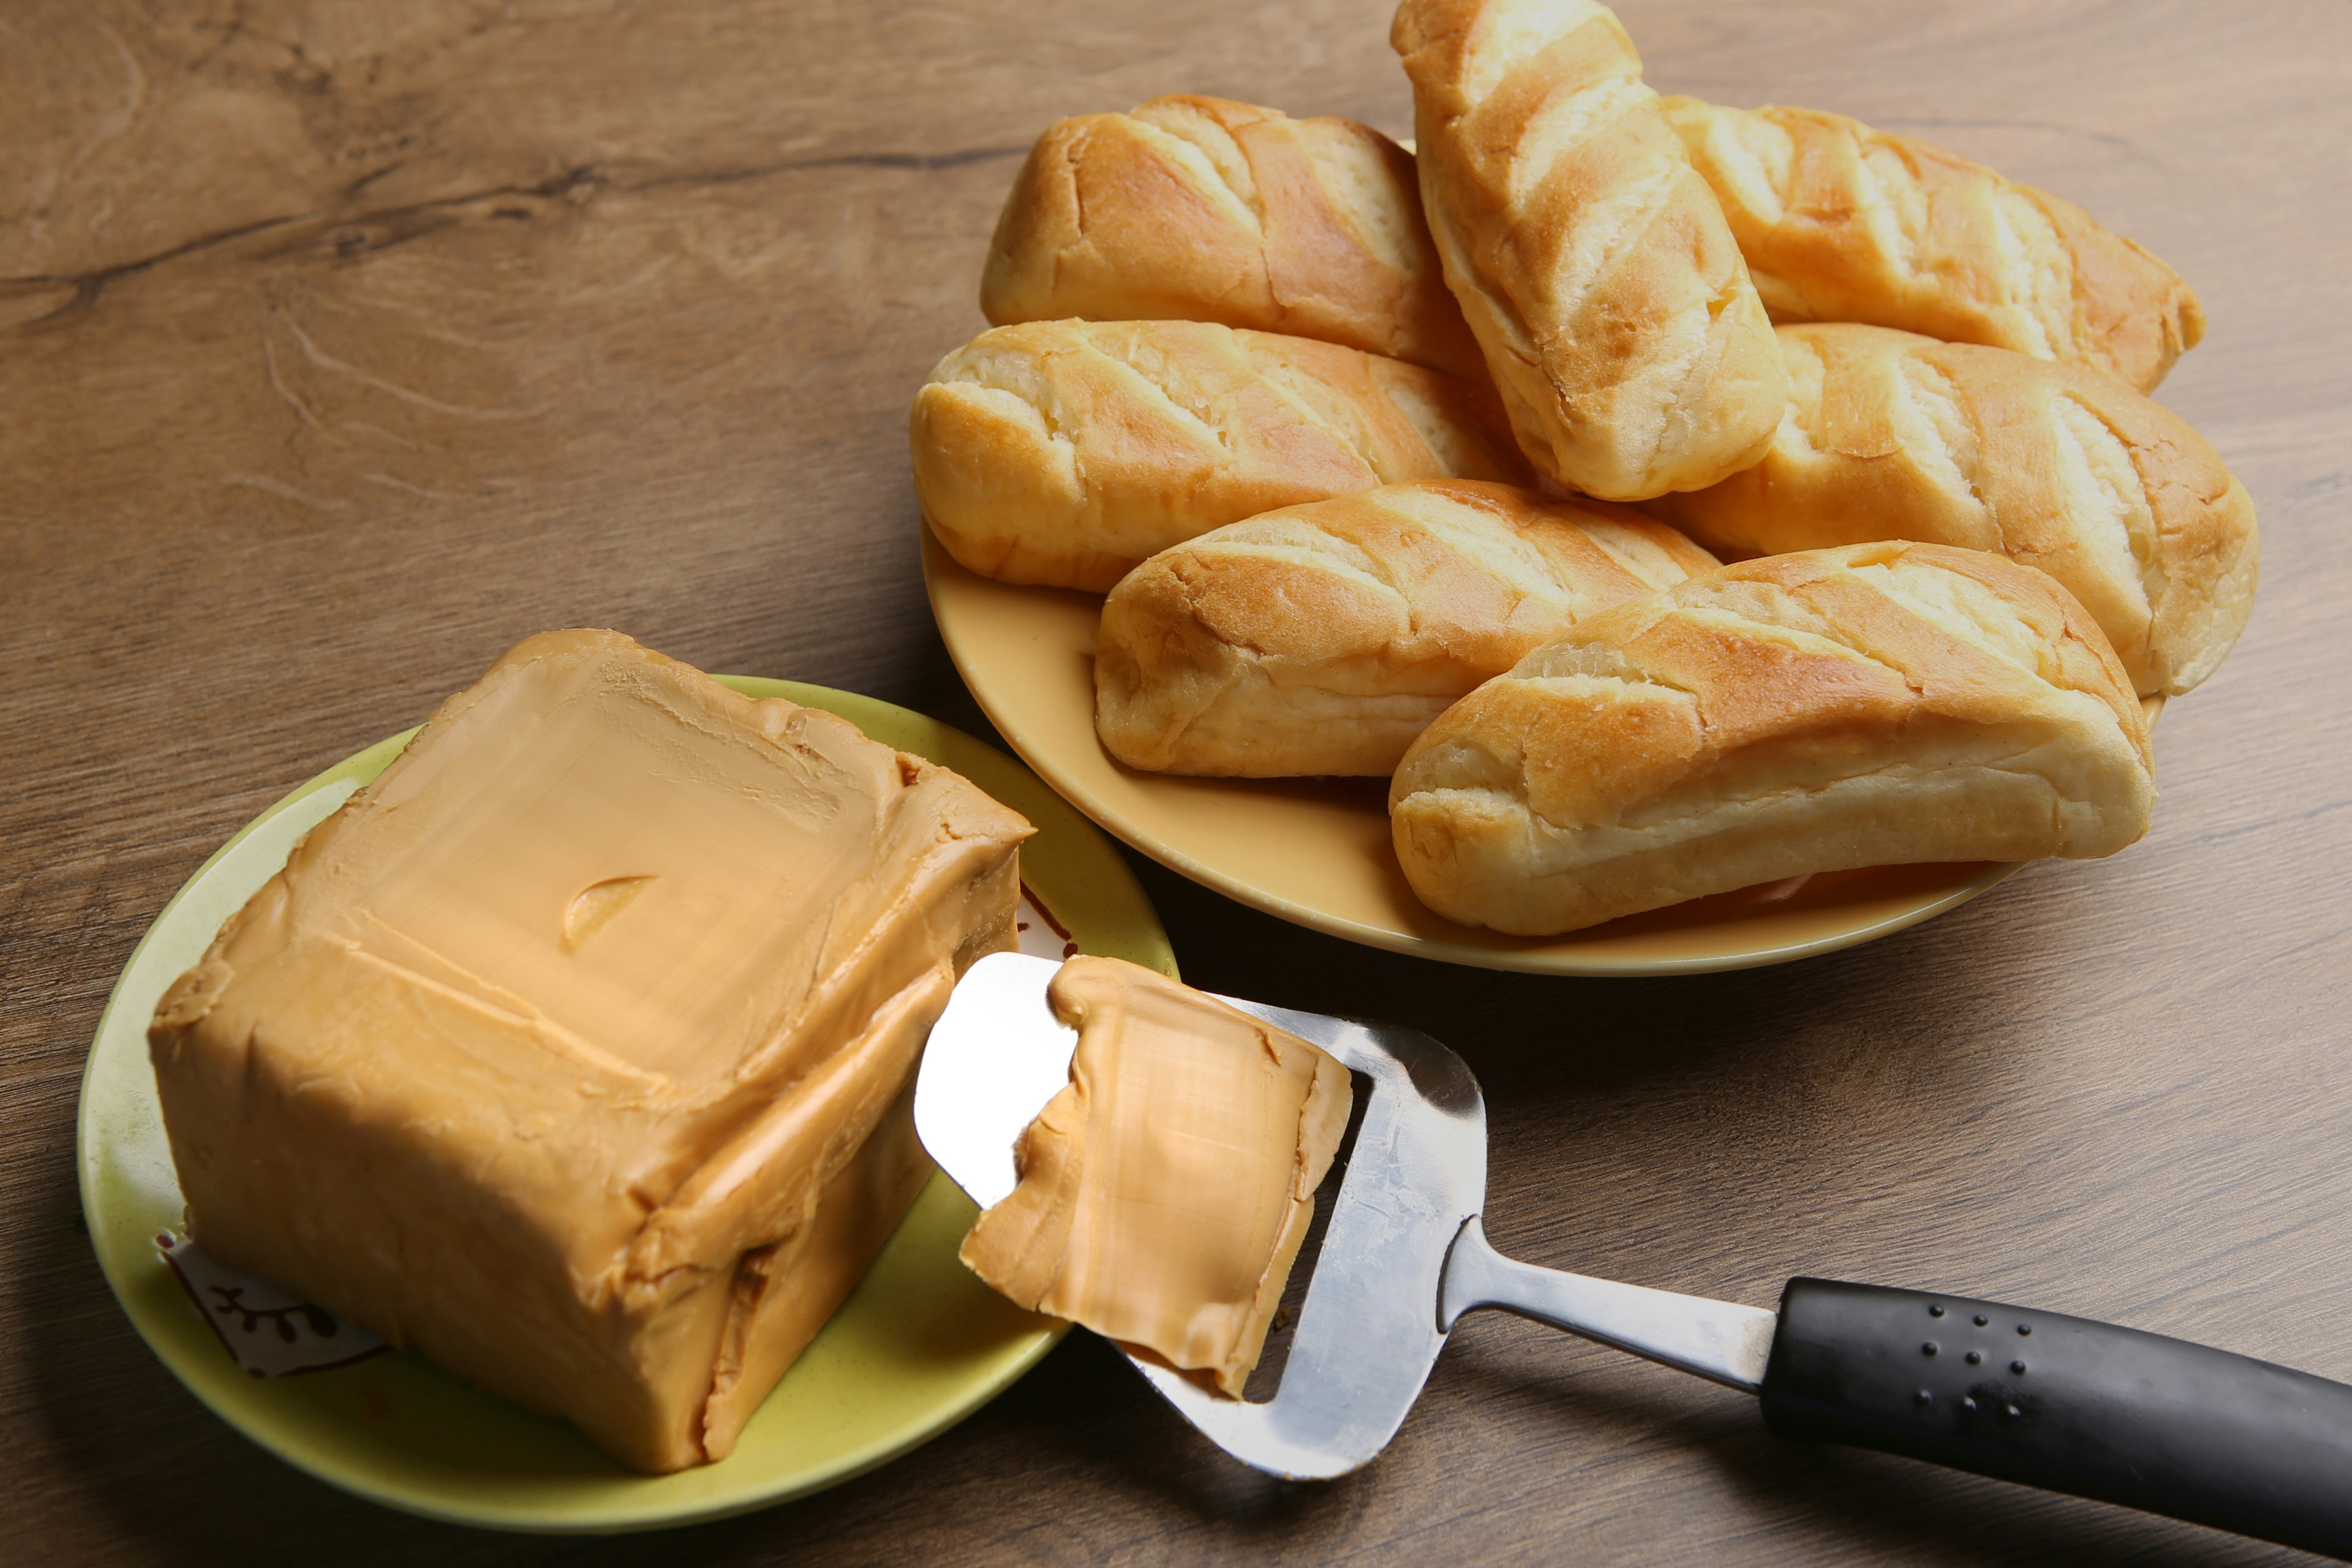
266,1333
1042,936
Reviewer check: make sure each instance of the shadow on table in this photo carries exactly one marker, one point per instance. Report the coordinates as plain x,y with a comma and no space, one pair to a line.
1146,1476
124,1429
1810,1500
1081,1462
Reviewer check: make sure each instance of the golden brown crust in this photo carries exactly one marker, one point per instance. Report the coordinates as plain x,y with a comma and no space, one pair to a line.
1589,258
1064,453
1890,434
1207,210
1879,704
1322,638
1842,223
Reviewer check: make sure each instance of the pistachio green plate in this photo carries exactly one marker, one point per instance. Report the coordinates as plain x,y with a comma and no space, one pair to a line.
920,1345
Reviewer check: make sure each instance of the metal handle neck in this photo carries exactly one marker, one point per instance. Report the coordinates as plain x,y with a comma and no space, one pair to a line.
1717,1339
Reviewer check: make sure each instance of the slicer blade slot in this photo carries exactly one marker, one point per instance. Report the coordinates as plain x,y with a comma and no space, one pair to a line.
1267,1377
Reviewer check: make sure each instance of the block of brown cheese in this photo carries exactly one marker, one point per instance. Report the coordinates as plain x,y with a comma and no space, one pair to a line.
576,1049
1164,1194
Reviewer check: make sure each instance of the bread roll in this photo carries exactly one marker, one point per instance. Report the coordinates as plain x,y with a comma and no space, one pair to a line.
1064,452
1879,704
1322,638
1893,436
1206,210
1589,258
1842,223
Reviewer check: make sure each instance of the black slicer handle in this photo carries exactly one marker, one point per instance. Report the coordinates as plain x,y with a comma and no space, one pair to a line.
2068,1404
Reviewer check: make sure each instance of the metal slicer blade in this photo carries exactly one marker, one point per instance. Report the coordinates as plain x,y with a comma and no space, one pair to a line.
1369,1332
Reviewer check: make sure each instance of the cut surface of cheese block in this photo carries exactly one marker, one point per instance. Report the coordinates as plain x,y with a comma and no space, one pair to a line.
1165,1191
575,1051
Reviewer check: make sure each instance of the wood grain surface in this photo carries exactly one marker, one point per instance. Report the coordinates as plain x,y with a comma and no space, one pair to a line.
343,344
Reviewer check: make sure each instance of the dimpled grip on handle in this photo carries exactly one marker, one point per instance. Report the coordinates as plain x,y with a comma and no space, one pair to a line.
2068,1404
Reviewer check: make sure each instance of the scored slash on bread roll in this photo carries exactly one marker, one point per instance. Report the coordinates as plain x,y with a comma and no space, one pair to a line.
1062,453
1591,261
1842,223
1206,210
1894,435
1322,638
1879,704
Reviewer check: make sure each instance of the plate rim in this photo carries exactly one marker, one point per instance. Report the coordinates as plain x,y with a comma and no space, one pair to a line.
91,1144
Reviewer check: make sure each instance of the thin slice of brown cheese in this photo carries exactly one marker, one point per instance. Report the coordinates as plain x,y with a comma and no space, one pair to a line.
1164,1194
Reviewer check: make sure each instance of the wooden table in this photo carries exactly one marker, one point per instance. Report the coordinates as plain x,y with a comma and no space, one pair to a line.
340,346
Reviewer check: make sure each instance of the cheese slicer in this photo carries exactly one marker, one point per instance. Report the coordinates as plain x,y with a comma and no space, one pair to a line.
2057,1401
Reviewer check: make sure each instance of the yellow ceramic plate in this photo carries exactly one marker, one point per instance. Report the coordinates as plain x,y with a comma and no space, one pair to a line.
920,1344
1317,851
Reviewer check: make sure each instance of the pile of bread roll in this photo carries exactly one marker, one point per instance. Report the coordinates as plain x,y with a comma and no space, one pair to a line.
1427,464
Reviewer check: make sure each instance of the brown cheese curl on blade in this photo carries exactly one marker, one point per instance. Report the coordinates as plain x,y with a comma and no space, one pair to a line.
1203,209
1894,435
1165,1191
1874,705
576,1050
1322,638
1840,222
1062,453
